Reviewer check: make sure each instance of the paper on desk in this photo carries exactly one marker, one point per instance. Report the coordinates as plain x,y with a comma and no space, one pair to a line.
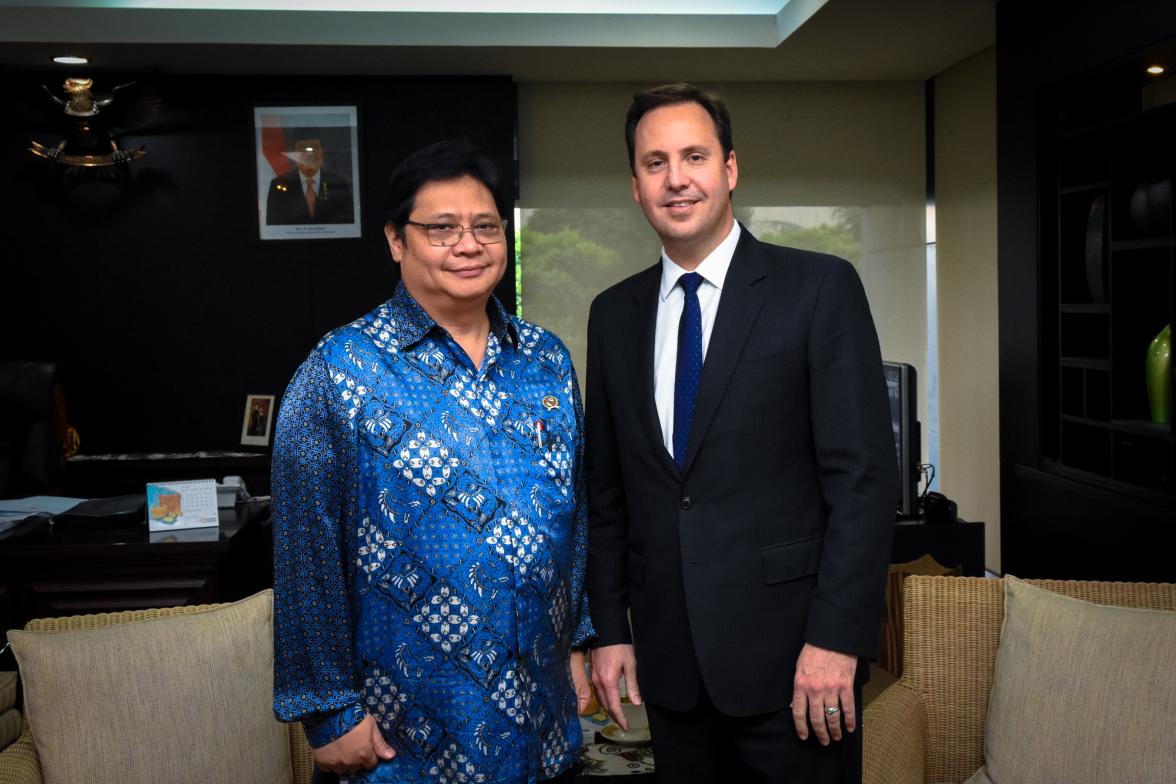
38,504
11,520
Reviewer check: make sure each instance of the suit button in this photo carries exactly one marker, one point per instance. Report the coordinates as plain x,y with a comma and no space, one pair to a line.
687,502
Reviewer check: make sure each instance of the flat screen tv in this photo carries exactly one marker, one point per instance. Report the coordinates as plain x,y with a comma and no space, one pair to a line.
901,384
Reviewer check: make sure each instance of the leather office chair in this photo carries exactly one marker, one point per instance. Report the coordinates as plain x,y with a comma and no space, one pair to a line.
32,428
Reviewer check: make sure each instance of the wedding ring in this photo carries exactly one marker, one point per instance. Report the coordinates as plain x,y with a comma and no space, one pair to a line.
832,711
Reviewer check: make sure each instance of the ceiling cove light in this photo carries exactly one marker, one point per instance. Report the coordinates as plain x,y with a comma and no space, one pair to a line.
1155,70
70,59
591,7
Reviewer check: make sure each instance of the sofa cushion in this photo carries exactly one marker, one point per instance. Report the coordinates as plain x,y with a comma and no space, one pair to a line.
979,777
1081,693
7,690
177,698
9,727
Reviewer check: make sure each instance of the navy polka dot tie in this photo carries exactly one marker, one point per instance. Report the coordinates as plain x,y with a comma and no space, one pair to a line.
689,367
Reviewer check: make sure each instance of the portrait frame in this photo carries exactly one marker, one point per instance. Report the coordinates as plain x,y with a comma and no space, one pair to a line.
257,426
284,210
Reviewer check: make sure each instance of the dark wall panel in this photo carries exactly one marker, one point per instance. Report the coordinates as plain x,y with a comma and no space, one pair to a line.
152,290
1054,526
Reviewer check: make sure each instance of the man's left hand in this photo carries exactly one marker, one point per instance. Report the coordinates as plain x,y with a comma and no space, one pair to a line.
585,698
824,680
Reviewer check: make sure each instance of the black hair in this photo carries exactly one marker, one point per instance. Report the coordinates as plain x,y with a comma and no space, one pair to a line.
668,95
438,162
293,135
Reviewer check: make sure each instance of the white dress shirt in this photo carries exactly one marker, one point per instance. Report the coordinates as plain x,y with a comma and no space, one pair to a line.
713,270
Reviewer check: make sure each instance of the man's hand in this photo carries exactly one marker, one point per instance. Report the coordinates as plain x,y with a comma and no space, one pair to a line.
361,748
824,679
608,665
585,700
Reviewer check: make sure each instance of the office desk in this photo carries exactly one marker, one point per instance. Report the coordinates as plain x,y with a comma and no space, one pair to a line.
52,570
92,476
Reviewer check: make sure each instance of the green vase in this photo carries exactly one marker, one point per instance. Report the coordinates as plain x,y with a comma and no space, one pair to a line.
1159,375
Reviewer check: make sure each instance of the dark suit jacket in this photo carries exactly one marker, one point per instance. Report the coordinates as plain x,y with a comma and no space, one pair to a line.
778,531
286,202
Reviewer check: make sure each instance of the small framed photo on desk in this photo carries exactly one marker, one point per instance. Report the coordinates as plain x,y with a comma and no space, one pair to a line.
257,429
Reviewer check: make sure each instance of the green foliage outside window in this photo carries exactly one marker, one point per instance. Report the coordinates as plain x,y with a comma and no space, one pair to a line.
568,256
842,237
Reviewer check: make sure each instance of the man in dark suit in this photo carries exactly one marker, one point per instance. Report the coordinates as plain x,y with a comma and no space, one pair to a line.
741,476
310,193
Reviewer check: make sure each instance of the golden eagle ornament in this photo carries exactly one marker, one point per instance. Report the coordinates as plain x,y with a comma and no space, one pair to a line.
90,125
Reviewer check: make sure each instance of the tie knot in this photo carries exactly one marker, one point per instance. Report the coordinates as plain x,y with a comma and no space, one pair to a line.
690,282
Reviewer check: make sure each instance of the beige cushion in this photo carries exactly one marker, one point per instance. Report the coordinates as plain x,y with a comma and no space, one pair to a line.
1082,693
186,698
9,726
7,690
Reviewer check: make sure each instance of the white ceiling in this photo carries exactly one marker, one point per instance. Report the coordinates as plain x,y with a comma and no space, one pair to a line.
613,40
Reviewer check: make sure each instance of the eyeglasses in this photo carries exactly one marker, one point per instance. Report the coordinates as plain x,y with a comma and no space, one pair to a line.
446,235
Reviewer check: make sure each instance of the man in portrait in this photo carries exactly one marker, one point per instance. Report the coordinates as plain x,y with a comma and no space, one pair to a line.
309,193
257,418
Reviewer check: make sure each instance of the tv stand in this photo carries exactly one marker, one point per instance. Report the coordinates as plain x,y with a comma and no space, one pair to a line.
951,544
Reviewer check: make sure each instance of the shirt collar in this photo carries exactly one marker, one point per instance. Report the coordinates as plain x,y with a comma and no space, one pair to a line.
713,268
413,323
306,179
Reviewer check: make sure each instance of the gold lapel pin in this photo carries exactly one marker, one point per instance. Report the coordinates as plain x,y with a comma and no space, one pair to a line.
551,402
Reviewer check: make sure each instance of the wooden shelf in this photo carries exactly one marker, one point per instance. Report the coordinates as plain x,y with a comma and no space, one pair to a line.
1056,469
1085,363
1085,420
1147,243
1084,188
1095,308
1142,427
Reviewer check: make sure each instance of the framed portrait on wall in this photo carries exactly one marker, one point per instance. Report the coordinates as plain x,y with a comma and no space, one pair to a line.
307,172
257,429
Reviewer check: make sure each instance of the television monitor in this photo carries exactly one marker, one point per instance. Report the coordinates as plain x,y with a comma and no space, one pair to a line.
901,385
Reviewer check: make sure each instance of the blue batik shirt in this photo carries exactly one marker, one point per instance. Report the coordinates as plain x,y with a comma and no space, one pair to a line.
429,546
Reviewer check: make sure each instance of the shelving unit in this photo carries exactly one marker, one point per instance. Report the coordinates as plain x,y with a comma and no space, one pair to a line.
1086,480
1108,288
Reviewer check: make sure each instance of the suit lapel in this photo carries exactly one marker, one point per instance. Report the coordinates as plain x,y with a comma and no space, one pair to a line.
640,348
738,306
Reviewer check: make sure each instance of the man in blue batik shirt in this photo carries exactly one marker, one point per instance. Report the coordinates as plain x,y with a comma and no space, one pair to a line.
429,518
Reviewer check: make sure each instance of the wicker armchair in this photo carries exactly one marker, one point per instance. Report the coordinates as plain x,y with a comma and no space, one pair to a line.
19,763
929,726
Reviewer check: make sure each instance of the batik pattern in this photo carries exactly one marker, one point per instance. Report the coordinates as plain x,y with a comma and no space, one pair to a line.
429,547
